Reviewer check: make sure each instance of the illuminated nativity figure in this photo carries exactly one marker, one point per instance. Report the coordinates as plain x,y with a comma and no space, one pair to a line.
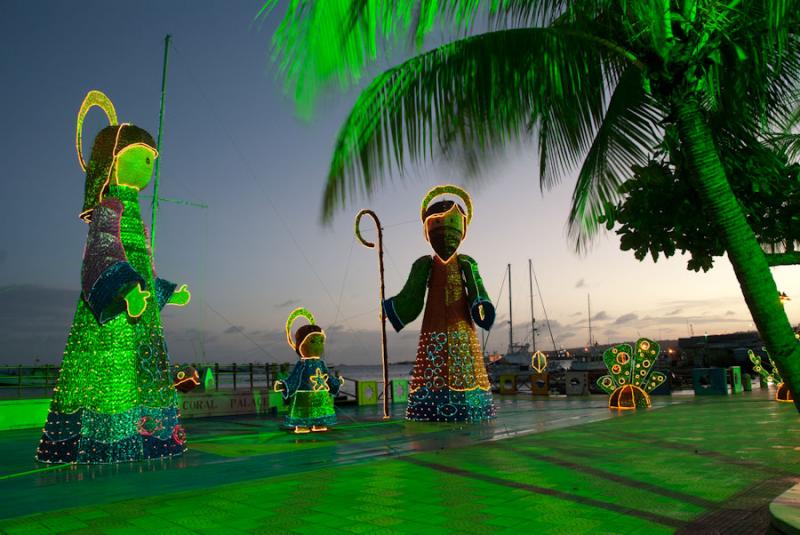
449,381
310,387
115,400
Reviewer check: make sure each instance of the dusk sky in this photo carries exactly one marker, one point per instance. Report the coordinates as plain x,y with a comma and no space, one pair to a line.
233,140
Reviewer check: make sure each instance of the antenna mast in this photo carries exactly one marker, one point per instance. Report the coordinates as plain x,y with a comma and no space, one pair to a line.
154,214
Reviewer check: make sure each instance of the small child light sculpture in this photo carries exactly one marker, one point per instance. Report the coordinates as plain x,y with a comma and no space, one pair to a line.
310,387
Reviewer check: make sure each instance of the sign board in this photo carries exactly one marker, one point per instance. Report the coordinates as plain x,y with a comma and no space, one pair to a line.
202,404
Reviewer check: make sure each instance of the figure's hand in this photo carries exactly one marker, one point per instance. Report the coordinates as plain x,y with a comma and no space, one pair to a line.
136,301
483,313
341,380
278,386
180,297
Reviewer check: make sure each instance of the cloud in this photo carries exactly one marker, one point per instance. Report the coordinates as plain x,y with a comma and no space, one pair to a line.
625,318
600,316
674,312
575,314
714,303
3,256
730,313
287,303
233,329
580,284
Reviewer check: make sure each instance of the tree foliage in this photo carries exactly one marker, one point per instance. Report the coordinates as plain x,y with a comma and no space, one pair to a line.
660,212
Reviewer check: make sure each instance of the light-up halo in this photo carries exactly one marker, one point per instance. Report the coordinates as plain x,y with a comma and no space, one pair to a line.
93,98
446,189
299,312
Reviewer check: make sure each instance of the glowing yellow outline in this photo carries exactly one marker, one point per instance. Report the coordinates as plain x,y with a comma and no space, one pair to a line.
442,215
542,358
323,387
182,378
113,168
633,398
182,288
123,151
297,313
93,98
788,399
444,190
306,337
145,297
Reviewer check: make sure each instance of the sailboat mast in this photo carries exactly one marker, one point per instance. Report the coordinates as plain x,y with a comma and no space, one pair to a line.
589,303
510,316
533,318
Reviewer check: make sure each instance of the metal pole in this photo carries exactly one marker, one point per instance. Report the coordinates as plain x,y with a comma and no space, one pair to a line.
544,309
533,318
154,205
589,305
384,350
510,315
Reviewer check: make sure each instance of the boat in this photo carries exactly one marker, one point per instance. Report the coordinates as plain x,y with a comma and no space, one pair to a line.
516,361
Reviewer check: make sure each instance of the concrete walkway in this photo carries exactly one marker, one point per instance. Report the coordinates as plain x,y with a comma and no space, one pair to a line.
554,466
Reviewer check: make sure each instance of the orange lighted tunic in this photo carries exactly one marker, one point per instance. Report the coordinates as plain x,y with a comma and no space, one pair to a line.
449,379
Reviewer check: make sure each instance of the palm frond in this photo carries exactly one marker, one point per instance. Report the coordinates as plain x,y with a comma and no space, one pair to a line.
788,144
757,71
323,42
481,92
627,136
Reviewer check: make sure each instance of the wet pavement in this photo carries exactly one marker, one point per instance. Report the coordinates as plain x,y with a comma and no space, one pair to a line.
555,465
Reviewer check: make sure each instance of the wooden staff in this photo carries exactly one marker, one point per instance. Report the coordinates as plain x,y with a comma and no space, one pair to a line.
384,353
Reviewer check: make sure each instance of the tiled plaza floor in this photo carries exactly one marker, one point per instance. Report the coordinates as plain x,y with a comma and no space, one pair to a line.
557,466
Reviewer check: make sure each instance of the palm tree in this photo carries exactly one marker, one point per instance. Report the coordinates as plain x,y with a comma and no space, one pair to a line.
598,84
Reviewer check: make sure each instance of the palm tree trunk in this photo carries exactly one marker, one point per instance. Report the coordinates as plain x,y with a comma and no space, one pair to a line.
746,256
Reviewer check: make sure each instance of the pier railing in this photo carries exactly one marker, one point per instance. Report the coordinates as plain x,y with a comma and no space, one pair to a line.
21,381
17,381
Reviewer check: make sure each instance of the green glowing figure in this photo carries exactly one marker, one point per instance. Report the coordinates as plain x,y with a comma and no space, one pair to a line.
115,400
311,386
601,85
773,376
631,376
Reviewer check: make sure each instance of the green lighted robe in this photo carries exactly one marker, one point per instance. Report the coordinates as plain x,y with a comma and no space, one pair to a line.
114,400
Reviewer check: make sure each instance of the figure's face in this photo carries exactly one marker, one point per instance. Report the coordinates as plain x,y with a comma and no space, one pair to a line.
445,231
313,346
134,166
